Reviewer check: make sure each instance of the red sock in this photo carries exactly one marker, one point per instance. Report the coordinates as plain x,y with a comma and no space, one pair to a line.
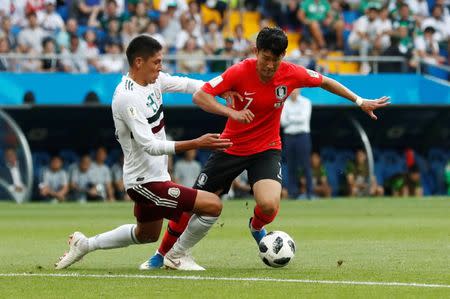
260,219
174,230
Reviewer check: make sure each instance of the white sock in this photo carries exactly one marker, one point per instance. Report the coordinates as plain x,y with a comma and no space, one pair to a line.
197,228
122,236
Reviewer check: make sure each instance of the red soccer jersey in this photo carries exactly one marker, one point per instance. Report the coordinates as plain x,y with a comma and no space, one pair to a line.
265,100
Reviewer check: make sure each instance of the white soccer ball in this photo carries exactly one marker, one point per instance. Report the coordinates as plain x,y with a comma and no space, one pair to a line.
276,249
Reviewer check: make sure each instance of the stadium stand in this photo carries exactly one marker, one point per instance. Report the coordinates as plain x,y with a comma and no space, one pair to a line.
404,43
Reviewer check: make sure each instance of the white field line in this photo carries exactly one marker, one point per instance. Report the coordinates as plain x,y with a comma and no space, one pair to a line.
256,279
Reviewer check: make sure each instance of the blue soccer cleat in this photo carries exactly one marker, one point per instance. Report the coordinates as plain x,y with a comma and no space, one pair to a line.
257,234
155,262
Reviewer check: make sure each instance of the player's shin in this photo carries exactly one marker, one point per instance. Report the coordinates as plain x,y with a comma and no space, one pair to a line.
173,232
197,228
122,236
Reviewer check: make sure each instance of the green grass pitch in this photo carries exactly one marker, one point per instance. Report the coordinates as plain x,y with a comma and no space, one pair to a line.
377,240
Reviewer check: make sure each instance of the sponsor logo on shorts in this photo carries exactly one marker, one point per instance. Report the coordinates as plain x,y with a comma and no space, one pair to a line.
140,179
202,179
174,192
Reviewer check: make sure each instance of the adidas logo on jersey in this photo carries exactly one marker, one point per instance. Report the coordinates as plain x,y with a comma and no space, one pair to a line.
129,85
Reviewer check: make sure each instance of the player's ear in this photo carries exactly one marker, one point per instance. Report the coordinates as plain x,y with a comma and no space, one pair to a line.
138,62
255,51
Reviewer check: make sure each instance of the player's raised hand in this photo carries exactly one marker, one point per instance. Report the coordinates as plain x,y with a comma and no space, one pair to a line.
230,97
213,141
244,116
369,106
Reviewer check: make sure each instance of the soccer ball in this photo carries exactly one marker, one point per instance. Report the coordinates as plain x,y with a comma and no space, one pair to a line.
276,249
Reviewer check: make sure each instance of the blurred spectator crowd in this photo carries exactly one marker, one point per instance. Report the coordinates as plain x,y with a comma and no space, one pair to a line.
82,30
97,176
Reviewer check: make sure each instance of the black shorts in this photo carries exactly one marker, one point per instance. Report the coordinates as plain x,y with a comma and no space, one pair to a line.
221,169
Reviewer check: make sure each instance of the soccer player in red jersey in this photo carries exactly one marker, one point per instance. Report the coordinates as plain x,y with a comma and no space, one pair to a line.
253,126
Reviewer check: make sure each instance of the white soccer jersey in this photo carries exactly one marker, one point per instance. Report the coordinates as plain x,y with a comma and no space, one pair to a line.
139,121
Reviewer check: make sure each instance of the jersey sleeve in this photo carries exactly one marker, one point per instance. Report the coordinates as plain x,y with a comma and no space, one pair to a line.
127,111
224,82
179,84
306,77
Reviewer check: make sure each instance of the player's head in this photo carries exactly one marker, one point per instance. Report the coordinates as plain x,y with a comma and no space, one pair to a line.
271,45
10,156
144,55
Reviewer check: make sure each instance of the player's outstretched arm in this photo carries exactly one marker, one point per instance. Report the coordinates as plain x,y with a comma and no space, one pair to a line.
207,141
366,105
208,103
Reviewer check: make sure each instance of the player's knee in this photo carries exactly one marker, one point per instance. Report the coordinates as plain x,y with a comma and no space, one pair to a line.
145,237
215,207
269,207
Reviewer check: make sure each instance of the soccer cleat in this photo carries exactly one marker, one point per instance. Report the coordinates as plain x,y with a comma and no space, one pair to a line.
78,247
155,262
183,262
257,234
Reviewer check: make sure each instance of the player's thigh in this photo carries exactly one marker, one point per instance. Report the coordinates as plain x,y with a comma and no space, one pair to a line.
207,204
219,172
264,176
147,232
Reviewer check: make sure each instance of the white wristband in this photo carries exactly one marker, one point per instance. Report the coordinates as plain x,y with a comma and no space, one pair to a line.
359,101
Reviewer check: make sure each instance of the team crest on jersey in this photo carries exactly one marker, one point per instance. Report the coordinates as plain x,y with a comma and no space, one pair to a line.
281,92
202,179
174,192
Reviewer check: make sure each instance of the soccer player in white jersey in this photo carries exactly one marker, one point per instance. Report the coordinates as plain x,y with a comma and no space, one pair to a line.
139,123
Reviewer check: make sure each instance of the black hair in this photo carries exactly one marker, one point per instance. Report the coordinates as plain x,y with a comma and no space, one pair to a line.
142,46
272,39
46,40
29,98
413,169
91,98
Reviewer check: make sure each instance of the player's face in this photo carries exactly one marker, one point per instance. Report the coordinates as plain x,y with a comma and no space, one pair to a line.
152,66
267,63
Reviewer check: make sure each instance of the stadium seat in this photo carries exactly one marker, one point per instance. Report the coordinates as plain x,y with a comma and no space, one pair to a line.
328,154
426,177
156,4
437,170
81,30
202,156
350,16
63,11
249,20
113,156
40,160
209,14
332,176
15,30
154,15
438,155
391,163
293,38
69,156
